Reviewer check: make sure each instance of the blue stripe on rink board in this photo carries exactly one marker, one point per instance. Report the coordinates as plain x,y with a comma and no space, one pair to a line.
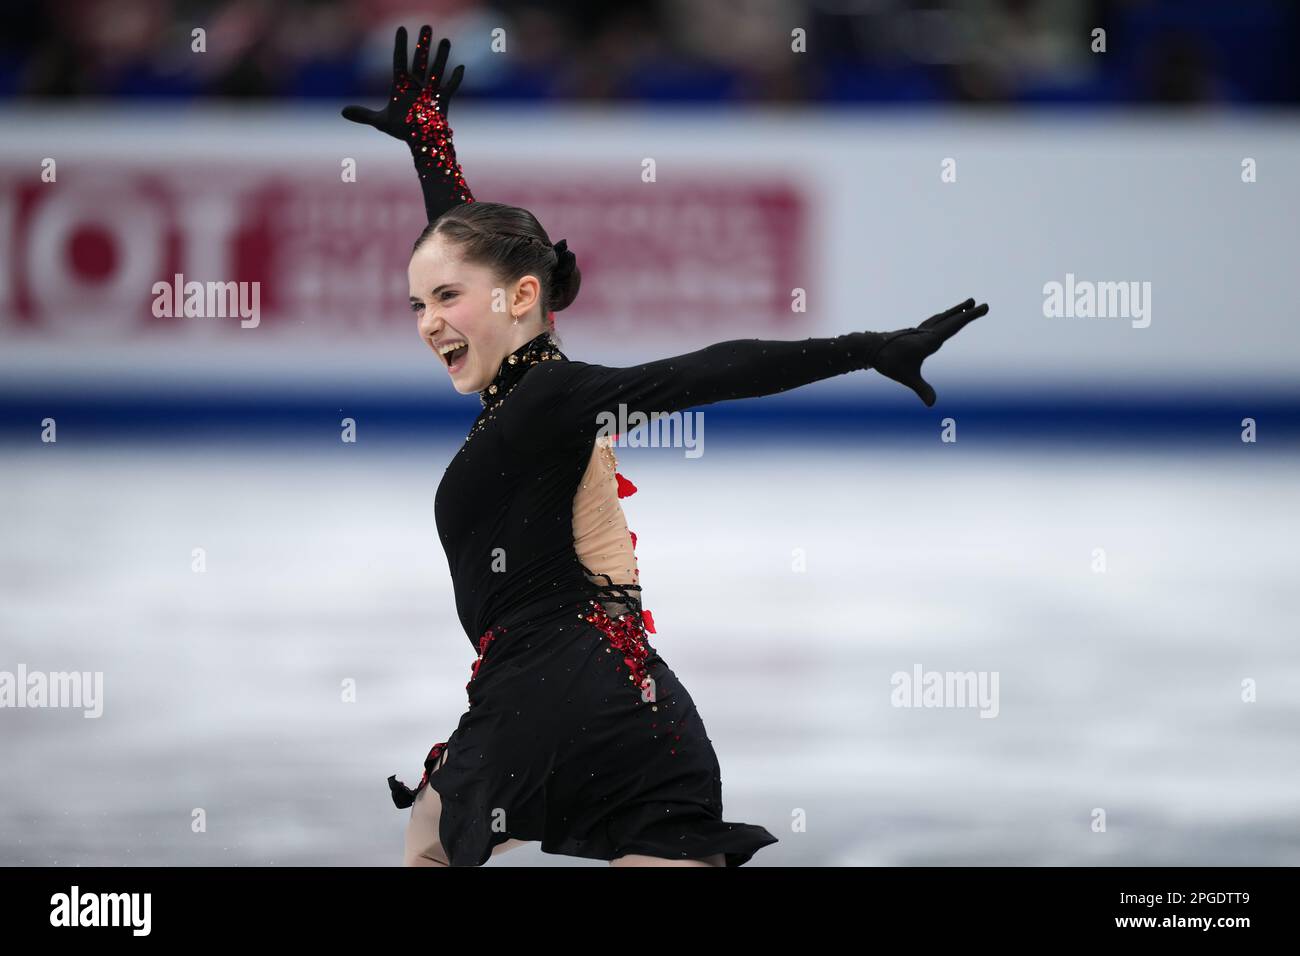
1063,416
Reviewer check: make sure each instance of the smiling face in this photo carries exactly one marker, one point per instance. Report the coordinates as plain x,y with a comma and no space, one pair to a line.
453,301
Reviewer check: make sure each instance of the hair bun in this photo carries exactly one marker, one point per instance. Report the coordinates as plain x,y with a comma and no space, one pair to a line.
565,261
565,277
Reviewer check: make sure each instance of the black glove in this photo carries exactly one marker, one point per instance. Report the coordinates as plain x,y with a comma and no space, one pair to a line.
416,113
901,356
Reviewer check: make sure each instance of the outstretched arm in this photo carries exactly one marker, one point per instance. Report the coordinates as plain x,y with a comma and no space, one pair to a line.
416,113
748,368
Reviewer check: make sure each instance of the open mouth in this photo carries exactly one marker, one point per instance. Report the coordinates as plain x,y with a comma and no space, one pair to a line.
453,354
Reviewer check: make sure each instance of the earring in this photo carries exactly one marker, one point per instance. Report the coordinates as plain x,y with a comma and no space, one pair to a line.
516,320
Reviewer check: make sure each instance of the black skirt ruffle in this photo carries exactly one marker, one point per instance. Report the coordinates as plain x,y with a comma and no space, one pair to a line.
579,736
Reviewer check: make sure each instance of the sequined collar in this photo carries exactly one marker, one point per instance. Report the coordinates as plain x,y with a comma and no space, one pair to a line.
539,349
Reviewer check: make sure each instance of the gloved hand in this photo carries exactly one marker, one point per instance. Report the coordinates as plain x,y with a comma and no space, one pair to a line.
901,356
416,113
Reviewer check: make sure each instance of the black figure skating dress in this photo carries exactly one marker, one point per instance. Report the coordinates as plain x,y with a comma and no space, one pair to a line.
577,733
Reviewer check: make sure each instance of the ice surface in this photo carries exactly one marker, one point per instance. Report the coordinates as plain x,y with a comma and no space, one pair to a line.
223,690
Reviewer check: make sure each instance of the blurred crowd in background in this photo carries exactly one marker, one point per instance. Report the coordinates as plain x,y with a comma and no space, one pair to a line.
1235,52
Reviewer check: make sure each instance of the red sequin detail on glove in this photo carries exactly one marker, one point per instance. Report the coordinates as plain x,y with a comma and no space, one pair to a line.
627,633
633,534
430,137
649,622
625,487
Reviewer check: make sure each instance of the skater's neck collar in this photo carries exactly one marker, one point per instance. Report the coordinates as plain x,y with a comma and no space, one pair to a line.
537,349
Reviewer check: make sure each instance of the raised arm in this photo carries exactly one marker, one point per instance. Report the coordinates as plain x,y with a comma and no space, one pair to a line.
740,368
416,113
748,368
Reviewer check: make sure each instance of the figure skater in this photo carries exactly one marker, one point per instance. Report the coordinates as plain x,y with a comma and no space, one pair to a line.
577,735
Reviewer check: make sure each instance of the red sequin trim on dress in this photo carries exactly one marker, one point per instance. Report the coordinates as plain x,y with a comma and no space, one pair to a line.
435,754
404,796
627,633
483,642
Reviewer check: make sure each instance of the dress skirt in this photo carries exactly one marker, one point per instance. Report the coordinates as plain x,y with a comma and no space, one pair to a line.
578,735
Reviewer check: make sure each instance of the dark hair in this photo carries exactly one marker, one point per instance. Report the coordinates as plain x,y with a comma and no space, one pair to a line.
511,242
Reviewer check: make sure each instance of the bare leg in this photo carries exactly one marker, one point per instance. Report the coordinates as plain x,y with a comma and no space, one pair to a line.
423,847
423,844
638,859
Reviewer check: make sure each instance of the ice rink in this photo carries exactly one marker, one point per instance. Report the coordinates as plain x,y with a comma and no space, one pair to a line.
1119,689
